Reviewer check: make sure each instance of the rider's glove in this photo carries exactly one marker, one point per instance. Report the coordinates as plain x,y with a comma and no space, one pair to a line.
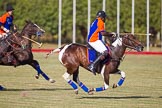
113,34
6,30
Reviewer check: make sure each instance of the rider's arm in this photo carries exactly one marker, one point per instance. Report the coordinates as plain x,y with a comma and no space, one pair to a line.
2,21
111,34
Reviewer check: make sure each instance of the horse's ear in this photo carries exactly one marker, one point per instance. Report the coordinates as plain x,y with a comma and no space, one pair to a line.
125,31
27,21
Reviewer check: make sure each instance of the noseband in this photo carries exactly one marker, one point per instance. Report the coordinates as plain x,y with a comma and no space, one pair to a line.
40,31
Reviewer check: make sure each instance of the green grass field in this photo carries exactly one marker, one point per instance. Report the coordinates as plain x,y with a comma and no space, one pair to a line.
141,89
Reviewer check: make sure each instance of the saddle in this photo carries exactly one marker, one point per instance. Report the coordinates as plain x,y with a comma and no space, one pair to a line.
92,54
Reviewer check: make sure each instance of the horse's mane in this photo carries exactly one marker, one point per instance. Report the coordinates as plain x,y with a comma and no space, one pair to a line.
79,44
27,22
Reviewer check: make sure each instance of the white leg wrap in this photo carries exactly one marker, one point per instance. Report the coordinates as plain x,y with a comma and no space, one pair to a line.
106,86
122,74
66,76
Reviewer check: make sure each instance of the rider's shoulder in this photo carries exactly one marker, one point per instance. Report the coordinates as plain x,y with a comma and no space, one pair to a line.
5,15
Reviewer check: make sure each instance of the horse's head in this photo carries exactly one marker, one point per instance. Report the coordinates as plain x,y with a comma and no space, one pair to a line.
32,29
130,41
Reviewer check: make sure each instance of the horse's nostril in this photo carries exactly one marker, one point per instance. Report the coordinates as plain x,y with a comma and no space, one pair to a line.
139,48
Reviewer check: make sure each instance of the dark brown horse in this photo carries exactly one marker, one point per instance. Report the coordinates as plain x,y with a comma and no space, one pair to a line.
20,49
74,55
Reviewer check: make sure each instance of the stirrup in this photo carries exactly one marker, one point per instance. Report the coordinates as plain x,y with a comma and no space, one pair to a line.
92,69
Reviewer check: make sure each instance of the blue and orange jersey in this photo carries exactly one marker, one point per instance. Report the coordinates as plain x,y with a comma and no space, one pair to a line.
95,30
6,21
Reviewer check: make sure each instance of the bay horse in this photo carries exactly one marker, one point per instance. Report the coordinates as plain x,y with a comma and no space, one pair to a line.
74,55
21,49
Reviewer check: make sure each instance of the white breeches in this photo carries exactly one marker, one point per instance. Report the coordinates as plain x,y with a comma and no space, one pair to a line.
98,46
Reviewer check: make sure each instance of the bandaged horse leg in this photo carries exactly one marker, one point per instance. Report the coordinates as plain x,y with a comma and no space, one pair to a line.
102,88
66,76
36,66
106,82
120,82
81,85
106,86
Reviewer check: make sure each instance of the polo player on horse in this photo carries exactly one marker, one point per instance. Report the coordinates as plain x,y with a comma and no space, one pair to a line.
97,30
6,21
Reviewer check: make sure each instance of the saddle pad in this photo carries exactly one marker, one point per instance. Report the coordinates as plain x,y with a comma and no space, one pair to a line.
92,55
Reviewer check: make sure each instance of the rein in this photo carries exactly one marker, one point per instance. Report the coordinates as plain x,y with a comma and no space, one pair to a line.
130,48
12,41
23,46
129,42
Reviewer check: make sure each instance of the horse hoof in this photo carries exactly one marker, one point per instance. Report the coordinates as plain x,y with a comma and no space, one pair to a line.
37,76
114,86
52,81
2,88
76,92
90,92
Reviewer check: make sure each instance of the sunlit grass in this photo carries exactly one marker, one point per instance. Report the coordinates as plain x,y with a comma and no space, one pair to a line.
141,89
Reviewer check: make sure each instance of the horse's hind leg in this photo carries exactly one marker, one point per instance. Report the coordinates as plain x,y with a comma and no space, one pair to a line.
66,76
76,79
36,66
120,82
105,75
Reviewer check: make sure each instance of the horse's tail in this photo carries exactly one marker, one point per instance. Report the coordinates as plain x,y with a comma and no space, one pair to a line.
57,50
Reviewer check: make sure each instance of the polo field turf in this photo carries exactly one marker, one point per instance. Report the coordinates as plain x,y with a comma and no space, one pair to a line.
142,87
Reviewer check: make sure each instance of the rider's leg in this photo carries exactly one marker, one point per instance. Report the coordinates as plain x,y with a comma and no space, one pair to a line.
94,64
100,47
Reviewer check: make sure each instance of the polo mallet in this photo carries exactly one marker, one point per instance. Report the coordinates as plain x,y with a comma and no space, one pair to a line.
40,44
137,34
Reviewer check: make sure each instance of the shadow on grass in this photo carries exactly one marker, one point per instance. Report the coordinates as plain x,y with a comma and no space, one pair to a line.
38,89
122,97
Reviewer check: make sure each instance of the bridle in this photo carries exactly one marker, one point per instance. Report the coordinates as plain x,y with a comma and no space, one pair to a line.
39,33
15,41
130,41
